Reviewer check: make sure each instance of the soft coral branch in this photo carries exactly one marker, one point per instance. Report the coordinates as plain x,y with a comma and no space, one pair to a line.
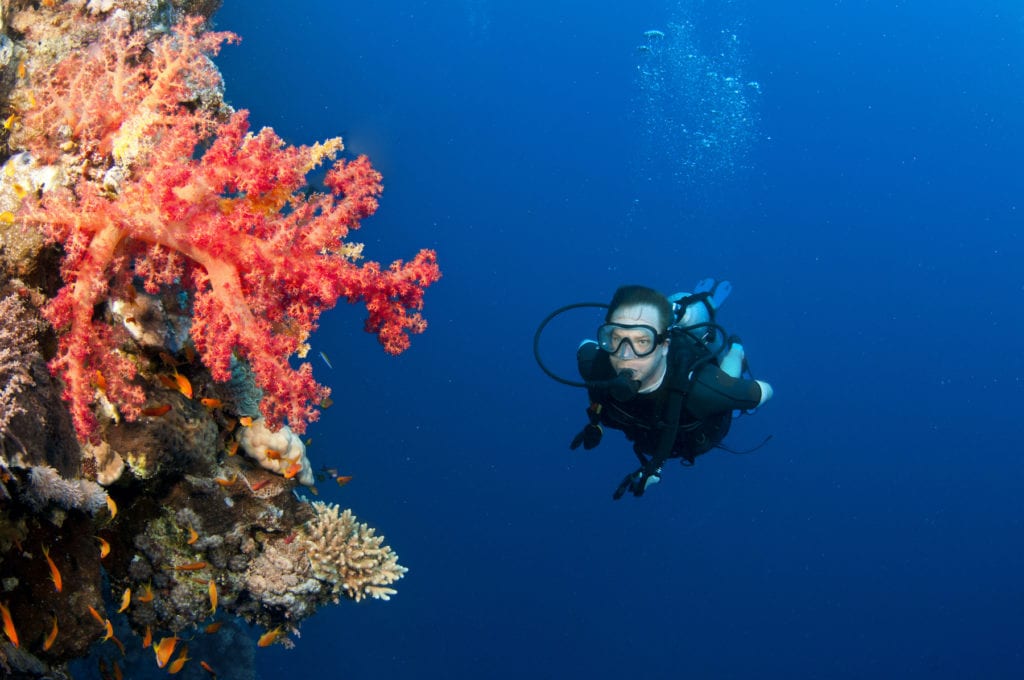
261,257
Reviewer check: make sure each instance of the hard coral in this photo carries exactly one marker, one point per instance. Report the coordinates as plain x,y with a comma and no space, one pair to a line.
349,555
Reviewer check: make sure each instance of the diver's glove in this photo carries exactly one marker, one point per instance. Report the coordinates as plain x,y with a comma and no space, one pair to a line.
589,436
637,482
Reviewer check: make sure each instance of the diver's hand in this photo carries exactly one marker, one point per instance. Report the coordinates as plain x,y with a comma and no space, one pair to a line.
589,436
638,482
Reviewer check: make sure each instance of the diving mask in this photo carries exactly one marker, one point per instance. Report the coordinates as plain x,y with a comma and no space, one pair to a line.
641,339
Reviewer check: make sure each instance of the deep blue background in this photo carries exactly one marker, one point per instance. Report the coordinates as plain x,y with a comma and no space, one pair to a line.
873,235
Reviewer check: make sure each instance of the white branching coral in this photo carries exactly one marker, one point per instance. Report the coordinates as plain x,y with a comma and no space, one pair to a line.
45,485
349,555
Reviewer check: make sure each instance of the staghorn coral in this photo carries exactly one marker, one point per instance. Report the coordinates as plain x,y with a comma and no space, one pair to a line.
348,555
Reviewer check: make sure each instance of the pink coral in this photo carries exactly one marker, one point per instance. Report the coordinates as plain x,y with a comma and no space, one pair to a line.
260,257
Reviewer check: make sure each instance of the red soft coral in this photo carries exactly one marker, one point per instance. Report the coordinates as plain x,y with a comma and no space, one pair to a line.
260,256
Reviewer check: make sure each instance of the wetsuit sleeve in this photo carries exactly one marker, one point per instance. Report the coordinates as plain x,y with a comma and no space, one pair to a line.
714,392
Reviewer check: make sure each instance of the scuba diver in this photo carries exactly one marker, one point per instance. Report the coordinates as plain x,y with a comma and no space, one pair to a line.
665,374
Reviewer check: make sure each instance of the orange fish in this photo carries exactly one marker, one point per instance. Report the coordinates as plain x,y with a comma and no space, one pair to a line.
213,598
211,403
208,669
226,482
58,583
293,469
148,639
273,454
233,447
119,644
213,627
110,630
125,600
260,484
96,615
246,421
154,411
164,649
343,480
9,630
104,547
179,663
101,382
167,381
191,566
184,386
147,593
270,637
193,536
112,507
117,672
22,70
52,637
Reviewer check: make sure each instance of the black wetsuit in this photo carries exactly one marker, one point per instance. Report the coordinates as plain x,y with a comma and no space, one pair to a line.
711,397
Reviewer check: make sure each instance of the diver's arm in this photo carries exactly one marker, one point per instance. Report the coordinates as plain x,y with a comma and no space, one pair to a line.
714,392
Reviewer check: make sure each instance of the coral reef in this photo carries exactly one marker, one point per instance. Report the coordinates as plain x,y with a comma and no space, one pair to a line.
161,271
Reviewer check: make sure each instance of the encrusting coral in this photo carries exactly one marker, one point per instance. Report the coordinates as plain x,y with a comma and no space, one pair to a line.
161,270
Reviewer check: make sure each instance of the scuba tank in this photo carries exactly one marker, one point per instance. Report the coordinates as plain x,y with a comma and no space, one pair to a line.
695,314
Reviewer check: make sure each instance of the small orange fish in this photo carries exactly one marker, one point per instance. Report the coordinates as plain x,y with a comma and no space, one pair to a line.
7,217
226,482
179,663
233,447
96,615
293,469
147,593
101,382
260,484
112,507
191,566
119,644
9,122
270,637
110,630
246,421
273,454
213,598
208,669
342,480
22,69
126,599
167,381
193,536
104,547
164,649
169,360
9,630
154,411
58,582
52,637
184,386
211,403
148,639
117,672
213,627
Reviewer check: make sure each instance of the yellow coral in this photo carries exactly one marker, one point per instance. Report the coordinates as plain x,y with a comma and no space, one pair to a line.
348,555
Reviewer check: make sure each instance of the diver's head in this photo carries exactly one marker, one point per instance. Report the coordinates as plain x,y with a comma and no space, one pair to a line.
634,334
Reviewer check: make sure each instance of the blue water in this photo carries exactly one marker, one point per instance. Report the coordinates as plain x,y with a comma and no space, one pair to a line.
859,182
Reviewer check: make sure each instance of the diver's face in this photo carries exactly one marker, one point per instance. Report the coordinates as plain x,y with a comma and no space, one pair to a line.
649,370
